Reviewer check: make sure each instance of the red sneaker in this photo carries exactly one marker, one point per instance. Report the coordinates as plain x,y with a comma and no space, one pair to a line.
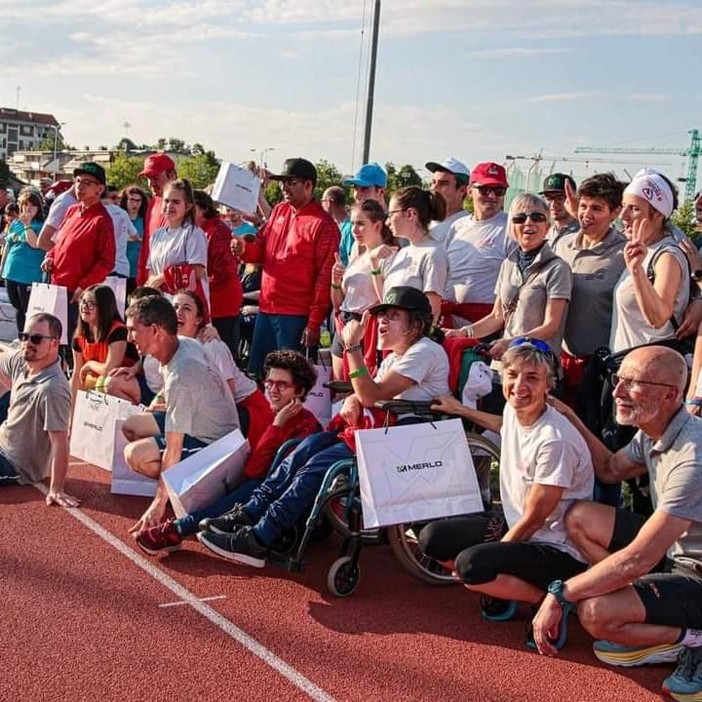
164,537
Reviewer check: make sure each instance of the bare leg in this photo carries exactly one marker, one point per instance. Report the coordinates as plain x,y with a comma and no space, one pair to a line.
590,526
140,426
119,386
143,456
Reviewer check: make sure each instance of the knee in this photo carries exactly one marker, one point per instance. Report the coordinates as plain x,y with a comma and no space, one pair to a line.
576,520
433,542
474,565
131,456
595,615
129,432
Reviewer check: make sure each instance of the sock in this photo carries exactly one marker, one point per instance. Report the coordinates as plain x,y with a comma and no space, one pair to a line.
692,638
176,524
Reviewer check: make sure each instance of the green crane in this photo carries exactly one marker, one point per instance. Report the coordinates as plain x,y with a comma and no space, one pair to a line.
692,153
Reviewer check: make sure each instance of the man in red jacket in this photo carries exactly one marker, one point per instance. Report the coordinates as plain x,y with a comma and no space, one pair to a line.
159,170
296,248
84,253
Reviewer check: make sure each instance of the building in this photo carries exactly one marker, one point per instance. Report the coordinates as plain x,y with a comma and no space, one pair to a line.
21,131
37,167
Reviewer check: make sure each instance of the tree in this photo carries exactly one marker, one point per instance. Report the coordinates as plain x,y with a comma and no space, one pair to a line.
124,170
161,144
327,175
4,173
177,146
684,218
402,177
200,170
49,141
126,144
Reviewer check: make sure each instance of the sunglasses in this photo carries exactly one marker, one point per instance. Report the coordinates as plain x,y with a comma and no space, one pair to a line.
536,217
536,344
35,339
491,190
278,384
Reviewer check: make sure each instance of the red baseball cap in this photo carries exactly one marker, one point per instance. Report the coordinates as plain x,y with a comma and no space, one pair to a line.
156,164
489,173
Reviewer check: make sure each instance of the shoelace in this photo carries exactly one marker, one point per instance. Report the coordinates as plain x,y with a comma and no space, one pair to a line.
690,664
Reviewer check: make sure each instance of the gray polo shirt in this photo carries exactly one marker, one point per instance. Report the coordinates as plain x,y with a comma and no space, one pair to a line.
39,404
553,281
595,273
555,234
674,463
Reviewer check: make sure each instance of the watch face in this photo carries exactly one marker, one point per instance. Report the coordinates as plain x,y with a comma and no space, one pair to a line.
556,587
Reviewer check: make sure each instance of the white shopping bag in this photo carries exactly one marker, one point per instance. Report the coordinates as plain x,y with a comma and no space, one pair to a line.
124,480
318,399
93,427
415,473
119,288
237,188
52,299
208,475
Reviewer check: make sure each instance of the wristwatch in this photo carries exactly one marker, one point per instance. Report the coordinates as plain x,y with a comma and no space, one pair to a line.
556,589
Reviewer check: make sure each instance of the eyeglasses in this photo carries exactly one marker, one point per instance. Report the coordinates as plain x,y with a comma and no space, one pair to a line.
536,217
491,190
88,304
629,382
289,182
554,197
278,384
536,344
35,339
85,182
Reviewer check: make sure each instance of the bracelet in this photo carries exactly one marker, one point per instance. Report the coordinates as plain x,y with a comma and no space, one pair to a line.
353,347
358,372
468,331
376,271
335,287
697,402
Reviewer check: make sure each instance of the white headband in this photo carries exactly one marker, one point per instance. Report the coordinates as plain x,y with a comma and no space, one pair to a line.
652,187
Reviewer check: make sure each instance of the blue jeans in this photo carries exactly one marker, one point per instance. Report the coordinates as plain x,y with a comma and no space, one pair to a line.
188,525
273,332
288,493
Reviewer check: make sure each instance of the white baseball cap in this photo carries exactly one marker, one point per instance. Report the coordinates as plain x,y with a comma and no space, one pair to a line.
451,165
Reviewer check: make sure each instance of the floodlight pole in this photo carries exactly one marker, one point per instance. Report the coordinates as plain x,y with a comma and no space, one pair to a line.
371,82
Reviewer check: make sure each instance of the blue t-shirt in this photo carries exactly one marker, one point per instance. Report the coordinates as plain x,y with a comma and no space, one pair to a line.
133,247
243,229
23,262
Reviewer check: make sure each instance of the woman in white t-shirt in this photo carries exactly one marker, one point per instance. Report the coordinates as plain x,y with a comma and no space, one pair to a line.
352,288
423,263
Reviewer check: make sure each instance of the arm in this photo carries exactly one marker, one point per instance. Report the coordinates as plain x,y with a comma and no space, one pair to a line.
105,252
59,470
326,246
76,378
491,323
541,501
220,260
46,236
656,300
115,356
448,404
367,390
435,302
695,372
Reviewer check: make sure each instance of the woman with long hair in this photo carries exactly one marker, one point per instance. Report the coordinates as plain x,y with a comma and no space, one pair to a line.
134,201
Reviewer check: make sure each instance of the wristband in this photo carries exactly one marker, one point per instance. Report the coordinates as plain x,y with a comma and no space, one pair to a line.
376,271
696,402
468,331
335,287
353,347
358,372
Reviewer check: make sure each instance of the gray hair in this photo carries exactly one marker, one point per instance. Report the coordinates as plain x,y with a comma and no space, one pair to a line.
526,353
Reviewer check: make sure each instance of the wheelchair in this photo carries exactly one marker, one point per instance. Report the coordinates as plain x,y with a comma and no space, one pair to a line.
338,504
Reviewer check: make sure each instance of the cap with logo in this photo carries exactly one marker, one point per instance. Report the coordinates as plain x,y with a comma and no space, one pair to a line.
555,183
297,168
404,297
450,165
489,173
368,175
92,169
156,164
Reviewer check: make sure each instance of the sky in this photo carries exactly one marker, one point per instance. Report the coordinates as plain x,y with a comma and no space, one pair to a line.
474,79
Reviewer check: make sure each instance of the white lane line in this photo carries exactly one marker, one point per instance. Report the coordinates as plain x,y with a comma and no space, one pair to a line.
182,593
202,599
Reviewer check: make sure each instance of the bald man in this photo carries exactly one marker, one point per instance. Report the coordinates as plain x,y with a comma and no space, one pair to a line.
643,594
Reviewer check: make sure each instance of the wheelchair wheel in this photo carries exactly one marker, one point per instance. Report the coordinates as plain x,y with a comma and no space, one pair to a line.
403,538
341,505
343,577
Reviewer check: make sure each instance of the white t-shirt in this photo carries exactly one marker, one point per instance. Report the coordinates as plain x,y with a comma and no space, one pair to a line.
359,293
220,356
439,231
58,209
170,247
426,363
476,250
123,229
423,266
549,452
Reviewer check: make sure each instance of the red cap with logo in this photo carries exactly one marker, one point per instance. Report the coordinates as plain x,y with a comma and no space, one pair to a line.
489,173
156,164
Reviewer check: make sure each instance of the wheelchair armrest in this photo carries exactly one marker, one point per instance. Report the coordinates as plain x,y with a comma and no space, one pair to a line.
282,452
418,407
338,386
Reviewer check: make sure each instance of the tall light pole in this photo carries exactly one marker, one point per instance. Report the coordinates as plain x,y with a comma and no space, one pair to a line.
262,155
371,83
56,128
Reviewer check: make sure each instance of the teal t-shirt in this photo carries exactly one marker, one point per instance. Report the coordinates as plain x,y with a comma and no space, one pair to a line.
23,262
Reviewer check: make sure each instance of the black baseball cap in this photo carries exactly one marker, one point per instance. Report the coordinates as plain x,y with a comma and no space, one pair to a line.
92,169
404,297
297,168
555,183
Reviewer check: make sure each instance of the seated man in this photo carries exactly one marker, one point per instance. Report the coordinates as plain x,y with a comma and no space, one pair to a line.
199,408
544,467
643,596
34,433
416,369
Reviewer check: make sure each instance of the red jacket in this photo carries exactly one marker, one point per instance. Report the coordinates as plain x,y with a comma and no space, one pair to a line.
303,424
297,252
84,254
155,219
226,293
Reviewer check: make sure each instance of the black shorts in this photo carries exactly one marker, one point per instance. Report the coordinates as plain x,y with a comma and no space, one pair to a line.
671,593
190,444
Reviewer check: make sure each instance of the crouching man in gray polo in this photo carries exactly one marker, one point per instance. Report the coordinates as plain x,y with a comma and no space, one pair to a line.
34,433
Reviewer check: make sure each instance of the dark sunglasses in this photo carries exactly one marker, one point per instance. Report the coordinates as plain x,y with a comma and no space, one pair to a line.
536,217
491,190
35,339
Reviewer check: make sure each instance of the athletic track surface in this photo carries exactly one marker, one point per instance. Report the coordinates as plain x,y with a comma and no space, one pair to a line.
86,616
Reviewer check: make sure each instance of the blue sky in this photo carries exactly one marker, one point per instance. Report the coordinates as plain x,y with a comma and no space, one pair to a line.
476,79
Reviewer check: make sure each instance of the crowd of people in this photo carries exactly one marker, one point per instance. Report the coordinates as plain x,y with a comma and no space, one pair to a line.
543,290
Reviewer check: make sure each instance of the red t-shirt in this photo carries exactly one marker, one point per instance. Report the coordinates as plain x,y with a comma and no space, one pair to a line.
226,294
155,219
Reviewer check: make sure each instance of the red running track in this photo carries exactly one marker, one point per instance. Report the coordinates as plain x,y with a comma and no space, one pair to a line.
82,621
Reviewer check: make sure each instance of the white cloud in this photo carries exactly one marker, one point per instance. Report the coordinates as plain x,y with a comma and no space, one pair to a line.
512,52
565,97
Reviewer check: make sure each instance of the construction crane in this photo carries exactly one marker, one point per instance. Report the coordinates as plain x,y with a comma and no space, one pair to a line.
692,153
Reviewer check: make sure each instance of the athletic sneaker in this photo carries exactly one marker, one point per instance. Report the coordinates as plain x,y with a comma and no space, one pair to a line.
496,610
685,684
161,538
629,656
228,523
239,547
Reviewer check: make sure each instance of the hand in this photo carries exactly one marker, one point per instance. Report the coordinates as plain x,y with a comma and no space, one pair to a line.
287,412
128,373
77,294
156,281
237,245
354,330
47,265
447,404
559,405
85,371
453,333
337,271
381,252
208,333
25,217
152,517
61,498
692,253
310,337
351,410
691,320
497,348
634,254
156,406
546,624
571,201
